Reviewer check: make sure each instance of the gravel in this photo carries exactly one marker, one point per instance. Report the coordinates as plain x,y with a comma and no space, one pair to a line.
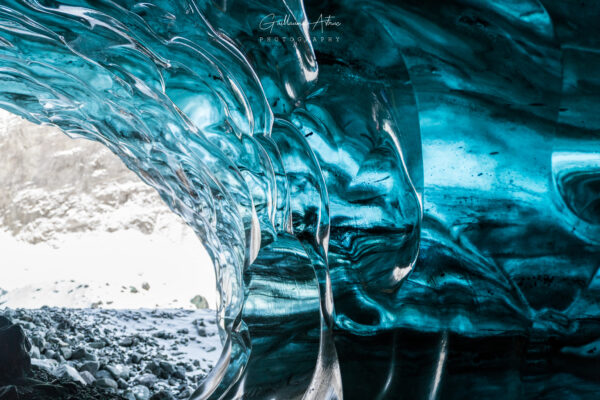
106,354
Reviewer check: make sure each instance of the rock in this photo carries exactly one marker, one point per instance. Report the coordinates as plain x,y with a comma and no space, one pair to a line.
146,286
163,335
122,383
118,371
87,377
167,368
133,289
65,371
82,353
103,374
141,392
91,366
153,367
35,352
14,350
127,342
66,352
52,338
9,393
149,362
96,304
98,344
129,396
179,373
135,358
38,341
162,395
147,380
199,301
106,383
53,391
46,365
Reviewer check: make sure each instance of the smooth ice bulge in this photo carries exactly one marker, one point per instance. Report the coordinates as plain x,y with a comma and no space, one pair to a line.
400,200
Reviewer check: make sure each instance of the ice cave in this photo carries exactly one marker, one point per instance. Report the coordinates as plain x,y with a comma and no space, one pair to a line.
401,199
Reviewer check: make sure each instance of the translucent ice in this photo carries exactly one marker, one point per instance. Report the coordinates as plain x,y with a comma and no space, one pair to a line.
401,199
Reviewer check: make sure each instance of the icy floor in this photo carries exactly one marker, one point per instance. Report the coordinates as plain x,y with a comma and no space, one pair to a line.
194,330
141,351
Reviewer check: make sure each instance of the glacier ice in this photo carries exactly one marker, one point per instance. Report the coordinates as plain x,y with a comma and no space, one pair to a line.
401,199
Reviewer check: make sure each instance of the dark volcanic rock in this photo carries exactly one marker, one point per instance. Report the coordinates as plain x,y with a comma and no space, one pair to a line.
91,366
109,356
43,386
9,393
162,395
106,383
14,350
82,353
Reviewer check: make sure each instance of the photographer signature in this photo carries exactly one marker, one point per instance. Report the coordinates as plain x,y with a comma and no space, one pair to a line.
270,21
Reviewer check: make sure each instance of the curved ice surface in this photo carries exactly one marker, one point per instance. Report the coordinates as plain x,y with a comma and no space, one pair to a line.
401,199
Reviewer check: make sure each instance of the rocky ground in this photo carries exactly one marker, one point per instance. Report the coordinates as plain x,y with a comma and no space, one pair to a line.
57,353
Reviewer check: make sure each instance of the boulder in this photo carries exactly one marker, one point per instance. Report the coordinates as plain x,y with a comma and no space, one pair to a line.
141,392
46,365
14,350
91,366
118,371
107,383
67,372
199,301
87,377
162,395
82,354
147,380
9,393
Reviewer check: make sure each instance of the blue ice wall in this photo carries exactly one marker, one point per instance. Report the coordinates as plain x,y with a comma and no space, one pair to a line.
401,199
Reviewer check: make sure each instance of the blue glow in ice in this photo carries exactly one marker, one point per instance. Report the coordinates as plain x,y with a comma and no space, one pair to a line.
401,199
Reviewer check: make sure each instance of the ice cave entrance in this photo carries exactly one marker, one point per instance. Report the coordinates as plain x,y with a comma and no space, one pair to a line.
80,231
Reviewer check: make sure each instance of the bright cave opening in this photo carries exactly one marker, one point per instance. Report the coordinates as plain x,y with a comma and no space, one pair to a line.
110,286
